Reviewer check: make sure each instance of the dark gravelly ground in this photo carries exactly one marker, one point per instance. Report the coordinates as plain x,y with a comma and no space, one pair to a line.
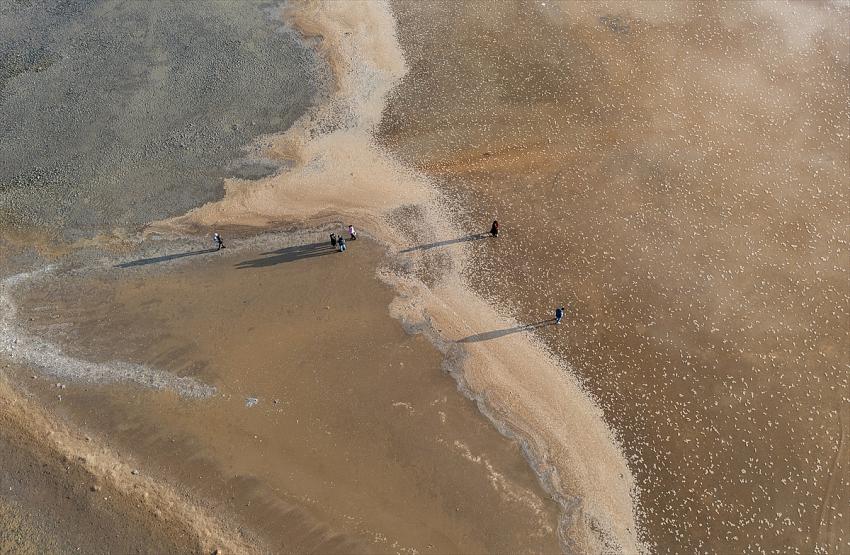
114,113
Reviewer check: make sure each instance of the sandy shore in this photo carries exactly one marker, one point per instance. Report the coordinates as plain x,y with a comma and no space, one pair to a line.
340,171
655,169
359,442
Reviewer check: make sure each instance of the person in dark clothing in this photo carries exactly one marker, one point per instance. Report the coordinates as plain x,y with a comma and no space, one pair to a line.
219,244
341,244
333,240
559,313
494,229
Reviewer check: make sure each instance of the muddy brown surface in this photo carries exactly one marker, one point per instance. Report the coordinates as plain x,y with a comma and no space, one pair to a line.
49,503
358,442
675,174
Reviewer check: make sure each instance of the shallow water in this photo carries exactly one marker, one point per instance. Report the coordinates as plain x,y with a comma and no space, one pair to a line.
676,175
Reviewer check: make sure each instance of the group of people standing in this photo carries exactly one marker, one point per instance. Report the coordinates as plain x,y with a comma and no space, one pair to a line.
338,241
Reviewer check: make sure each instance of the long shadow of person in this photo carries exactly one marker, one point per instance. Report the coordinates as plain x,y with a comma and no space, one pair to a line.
488,335
164,258
287,254
428,246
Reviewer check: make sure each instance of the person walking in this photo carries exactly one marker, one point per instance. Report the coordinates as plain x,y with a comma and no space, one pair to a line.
559,313
333,240
494,229
219,244
352,233
341,243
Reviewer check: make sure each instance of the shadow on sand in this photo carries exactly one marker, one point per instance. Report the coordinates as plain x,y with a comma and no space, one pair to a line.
468,238
165,258
288,254
487,335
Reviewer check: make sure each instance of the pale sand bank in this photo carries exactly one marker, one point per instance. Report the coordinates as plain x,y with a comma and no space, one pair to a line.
359,441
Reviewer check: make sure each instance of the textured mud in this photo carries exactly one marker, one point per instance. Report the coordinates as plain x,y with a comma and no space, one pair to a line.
676,174
114,114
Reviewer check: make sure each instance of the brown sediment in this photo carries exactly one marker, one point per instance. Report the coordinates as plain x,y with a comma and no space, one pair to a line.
676,174
358,441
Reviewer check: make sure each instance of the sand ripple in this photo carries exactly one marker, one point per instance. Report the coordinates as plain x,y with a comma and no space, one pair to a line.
50,359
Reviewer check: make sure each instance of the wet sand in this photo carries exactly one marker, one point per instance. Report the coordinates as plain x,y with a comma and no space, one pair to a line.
675,174
359,441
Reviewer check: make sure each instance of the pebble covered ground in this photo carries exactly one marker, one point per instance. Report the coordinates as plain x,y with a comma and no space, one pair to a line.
676,175
115,114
